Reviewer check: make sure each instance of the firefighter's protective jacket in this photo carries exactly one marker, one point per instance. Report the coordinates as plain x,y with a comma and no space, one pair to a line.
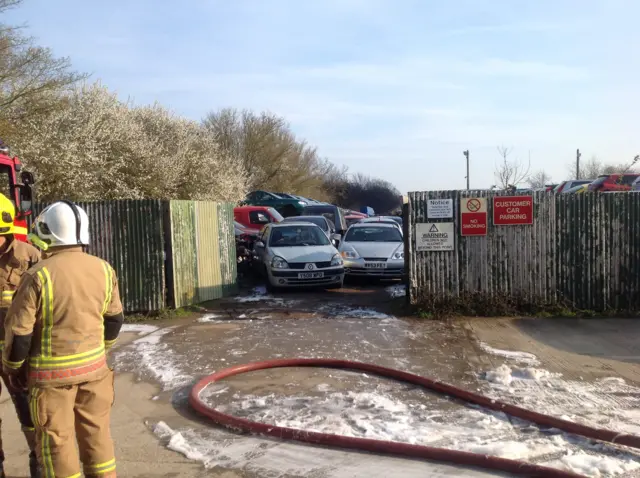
65,314
16,259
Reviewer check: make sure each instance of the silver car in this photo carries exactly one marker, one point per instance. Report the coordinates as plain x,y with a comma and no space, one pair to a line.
298,254
322,222
373,249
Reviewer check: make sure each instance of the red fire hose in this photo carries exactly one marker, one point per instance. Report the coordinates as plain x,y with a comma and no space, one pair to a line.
396,448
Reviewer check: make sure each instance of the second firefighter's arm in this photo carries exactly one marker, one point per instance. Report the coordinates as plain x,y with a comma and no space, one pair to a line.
114,314
19,324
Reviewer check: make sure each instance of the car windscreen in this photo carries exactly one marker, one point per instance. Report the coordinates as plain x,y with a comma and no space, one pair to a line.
276,215
328,212
298,236
599,181
317,220
373,234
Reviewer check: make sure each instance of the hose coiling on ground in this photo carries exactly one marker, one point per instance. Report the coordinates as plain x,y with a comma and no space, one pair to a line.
396,448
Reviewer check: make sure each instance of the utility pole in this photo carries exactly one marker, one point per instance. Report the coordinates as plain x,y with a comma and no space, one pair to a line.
466,153
578,163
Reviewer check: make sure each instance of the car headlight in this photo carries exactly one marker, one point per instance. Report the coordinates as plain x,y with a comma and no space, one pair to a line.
302,203
350,254
336,260
279,263
398,255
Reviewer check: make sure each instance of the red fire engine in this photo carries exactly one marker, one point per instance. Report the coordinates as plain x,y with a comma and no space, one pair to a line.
16,184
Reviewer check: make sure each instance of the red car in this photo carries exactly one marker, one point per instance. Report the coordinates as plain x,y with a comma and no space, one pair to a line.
255,217
613,182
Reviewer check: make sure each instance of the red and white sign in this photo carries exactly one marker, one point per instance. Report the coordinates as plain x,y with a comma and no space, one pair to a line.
512,210
473,216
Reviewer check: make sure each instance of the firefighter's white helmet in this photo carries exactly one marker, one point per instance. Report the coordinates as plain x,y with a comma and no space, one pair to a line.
63,223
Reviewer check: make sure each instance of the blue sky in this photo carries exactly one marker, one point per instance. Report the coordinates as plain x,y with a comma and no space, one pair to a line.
396,89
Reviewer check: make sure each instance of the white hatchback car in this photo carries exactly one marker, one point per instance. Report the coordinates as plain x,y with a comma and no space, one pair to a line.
373,249
298,254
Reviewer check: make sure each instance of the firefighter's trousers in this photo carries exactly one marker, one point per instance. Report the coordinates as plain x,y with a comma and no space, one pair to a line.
65,414
21,403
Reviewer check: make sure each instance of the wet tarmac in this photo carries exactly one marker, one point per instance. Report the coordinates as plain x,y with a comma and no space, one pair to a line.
355,324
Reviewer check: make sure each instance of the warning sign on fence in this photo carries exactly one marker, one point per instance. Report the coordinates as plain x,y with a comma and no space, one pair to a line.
473,216
434,236
512,210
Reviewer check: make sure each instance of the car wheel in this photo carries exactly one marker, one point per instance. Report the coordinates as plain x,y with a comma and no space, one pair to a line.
271,288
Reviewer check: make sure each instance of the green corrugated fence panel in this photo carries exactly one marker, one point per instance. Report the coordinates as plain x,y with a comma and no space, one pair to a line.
208,252
582,249
184,252
129,234
227,248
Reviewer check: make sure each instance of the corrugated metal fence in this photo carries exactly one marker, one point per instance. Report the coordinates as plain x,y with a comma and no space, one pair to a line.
582,249
165,253
203,251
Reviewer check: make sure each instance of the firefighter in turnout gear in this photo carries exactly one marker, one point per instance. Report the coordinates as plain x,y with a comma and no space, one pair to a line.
65,316
15,258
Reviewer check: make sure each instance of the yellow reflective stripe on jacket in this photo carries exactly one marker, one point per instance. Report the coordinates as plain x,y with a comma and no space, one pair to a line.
46,295
1,345
12,365
101,468
67,360
109,343
108,276
7,298
23,231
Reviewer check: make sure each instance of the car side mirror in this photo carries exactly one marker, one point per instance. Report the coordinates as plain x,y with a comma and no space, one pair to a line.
26,199
27,178
336,237
259,244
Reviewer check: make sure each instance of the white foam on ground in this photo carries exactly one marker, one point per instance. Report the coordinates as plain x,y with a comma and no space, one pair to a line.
504,375
398,290
259,294
377,415
522,357
209,318
342,312
150,355
140,329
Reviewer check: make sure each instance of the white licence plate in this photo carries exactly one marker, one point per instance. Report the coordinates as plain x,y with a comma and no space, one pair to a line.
310,275
375,265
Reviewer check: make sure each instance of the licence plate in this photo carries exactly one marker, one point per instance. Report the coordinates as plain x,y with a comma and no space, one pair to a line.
375,265
310,275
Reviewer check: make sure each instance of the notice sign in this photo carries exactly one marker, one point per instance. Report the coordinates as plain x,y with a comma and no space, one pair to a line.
473,216
434,236
512,210
440,208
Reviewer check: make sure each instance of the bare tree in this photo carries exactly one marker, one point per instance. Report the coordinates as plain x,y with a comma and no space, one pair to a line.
509,173
29,74
274,157
539,179
594,167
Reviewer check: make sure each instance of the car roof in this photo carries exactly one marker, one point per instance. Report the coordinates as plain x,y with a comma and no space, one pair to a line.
375,224
302,218
295,223
252,208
